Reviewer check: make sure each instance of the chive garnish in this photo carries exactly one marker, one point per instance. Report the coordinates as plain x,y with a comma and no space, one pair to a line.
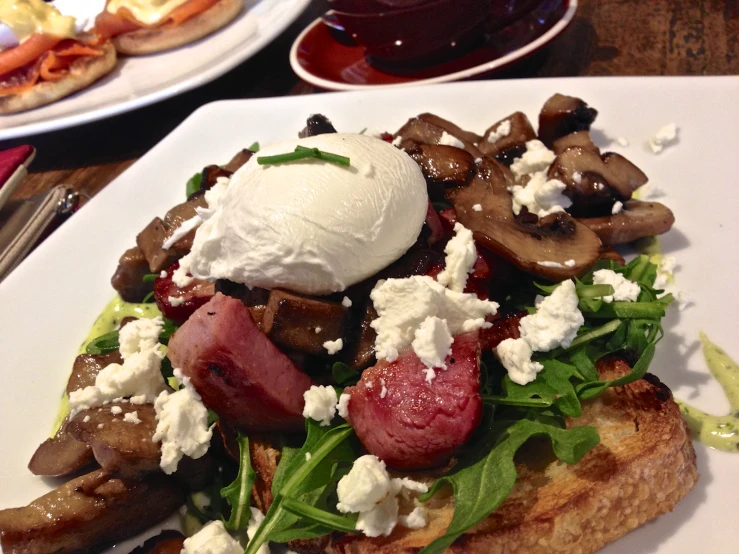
301,153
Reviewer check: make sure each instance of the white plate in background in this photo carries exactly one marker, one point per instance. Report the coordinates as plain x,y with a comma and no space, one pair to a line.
138,81
51,300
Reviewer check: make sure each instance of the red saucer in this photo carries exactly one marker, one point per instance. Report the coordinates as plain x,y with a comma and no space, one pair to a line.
322,61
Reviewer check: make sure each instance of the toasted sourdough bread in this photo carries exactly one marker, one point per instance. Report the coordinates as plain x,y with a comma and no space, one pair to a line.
157,39
643,466
82,73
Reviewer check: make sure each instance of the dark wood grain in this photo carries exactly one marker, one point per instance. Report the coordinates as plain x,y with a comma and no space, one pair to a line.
607,37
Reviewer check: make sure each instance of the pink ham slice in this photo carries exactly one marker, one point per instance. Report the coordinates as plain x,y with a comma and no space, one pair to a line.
237,370
410,423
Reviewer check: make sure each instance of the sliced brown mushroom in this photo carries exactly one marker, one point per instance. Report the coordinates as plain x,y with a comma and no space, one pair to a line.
513,145
317,124
239,159
442,166
88,512
302,323
128,279
578,138
425,132
594,182
562,115
450,127
362,354
495,227
166,542
60,455
87,366
636,220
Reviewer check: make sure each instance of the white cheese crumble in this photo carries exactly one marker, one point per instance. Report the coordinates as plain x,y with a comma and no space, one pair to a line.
343,405
622,141
139,376
180,275
477,207
577,177
617,207
624,290
308,456
320,404
182,425
415,520
132,417
555,323
570,263
163,273
536,158
397,140
502,130
663,137
253,526
665,282
212,539
318,330
461,255
541,196
383,390
403,304
346,302
450,140
549,263
116,410
86,419
176,300
333,346
369,491
432,344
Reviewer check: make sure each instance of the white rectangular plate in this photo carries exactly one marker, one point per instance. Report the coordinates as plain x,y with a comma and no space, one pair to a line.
50,301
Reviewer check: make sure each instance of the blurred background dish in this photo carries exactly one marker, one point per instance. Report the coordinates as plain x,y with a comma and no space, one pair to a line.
143,80
372,43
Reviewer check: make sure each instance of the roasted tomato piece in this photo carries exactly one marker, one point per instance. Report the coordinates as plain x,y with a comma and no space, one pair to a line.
177,303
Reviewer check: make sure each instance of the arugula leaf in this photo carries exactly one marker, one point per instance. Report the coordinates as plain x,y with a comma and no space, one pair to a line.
344,375
552,386
482,483
193,184
306,480
593,389
238,493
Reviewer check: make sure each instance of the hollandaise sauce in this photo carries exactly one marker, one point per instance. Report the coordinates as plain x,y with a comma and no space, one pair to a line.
25,18
148,12
720,432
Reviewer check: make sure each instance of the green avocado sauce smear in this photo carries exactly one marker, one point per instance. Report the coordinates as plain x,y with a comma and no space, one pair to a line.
720,432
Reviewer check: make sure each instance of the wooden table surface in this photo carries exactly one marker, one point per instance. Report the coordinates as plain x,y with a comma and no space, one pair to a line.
607,37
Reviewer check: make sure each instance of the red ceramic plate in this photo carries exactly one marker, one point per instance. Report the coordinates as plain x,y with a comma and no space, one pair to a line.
324,62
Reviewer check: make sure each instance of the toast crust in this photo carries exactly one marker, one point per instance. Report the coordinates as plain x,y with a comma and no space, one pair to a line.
157,39
643,466
82,73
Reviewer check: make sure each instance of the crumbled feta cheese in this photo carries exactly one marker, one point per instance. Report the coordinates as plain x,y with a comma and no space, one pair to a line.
515,355
185,227
132,417
403,304
333,346
570,263
622,141
346,302
180,275
665,282
253,526
140,374
182,425
318,330
477,207
617,207
320,404
212,539
432,344
461,255
556,321
100,426
86,419
577,177
415,520
176,300
502,130
397,140
478,160
343,405
163,273
536,158
450,140
368,490
549,263
624,290
115,410
663,137
541,196
383,391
